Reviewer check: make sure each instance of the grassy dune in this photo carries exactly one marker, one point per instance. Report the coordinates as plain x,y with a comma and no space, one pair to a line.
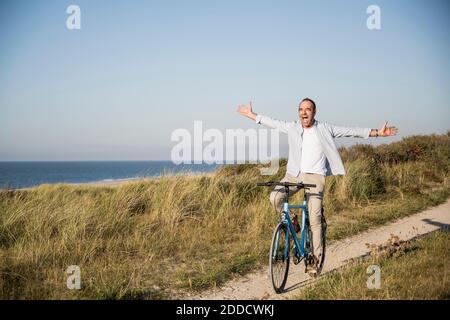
155,238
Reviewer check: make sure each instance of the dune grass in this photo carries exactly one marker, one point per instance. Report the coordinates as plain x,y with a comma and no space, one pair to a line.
158,238
413,270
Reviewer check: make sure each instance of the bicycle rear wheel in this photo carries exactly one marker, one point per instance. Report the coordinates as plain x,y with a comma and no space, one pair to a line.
279,257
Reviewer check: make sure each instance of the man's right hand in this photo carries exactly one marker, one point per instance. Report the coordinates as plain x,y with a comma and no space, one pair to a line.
246,110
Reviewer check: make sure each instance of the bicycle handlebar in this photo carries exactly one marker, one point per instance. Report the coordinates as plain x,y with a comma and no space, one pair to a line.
285,184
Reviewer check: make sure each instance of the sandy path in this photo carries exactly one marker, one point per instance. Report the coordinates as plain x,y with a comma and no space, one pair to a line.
257,285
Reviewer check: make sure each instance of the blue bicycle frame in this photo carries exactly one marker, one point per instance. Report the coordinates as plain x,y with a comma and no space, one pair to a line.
299,244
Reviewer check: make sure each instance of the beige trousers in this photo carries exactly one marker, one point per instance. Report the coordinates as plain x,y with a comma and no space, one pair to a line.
314,197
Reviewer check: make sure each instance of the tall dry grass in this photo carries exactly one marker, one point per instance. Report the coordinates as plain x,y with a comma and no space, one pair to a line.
154,238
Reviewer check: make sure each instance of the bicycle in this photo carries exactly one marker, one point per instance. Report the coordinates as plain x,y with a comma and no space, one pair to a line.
280,251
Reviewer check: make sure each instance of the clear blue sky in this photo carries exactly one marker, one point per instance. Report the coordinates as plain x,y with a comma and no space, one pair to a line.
137,70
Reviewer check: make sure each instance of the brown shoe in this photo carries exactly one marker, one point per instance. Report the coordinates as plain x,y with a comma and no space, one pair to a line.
312,267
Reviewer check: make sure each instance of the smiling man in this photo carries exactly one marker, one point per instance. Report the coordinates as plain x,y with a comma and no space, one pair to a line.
313,155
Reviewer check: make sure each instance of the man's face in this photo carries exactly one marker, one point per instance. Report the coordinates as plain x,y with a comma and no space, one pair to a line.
306,114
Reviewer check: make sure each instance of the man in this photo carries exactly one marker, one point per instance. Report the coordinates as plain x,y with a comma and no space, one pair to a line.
313,155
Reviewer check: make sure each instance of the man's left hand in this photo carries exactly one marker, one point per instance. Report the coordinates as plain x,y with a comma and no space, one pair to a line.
386,131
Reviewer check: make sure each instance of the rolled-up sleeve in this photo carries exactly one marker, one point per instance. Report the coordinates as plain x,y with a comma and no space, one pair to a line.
258,119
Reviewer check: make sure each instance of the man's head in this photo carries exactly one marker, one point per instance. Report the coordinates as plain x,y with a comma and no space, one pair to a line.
306,112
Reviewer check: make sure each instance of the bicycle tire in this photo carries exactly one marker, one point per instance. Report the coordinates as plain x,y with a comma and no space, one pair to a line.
279,263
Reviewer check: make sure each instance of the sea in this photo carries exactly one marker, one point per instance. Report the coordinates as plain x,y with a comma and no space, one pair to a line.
25,174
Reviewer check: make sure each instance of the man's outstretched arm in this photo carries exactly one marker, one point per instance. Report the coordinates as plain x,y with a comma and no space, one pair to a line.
247,111
385,131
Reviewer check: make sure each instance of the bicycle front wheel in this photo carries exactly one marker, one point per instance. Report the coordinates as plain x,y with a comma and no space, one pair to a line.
279,257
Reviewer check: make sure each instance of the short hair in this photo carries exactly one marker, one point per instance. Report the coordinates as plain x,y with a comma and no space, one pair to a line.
311,101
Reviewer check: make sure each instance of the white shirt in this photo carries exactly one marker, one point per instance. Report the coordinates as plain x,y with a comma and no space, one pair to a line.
313,156
326,132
